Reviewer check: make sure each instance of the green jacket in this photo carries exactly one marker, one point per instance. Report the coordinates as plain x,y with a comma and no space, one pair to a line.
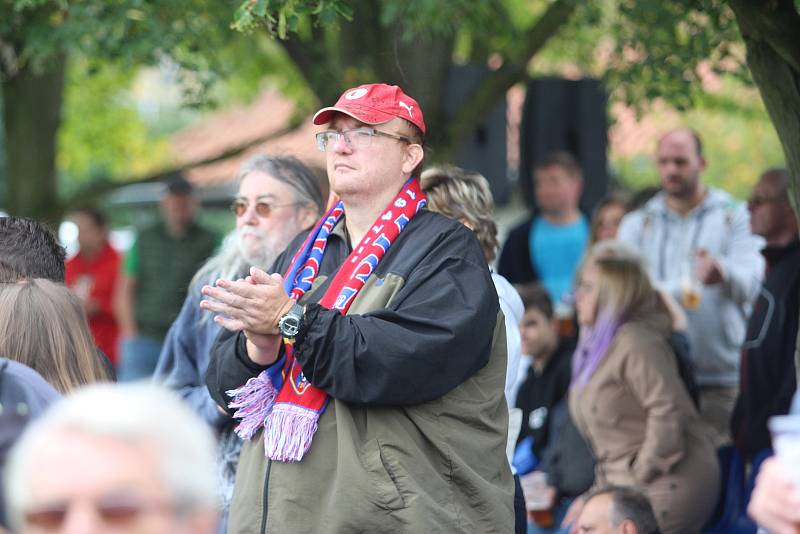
413,438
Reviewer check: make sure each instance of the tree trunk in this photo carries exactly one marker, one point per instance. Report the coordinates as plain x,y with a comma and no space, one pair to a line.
31,119
770,34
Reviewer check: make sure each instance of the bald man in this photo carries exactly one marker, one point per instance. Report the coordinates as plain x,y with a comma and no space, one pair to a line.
768,370
698,245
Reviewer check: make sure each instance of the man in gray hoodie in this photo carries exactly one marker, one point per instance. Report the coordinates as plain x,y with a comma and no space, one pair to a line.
699,248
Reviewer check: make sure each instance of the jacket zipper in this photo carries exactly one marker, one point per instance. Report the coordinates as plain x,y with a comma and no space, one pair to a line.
265,498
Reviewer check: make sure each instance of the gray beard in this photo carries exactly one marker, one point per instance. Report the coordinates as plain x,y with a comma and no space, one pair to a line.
232,260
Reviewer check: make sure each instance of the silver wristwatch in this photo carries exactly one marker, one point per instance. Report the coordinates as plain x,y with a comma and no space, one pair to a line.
289,324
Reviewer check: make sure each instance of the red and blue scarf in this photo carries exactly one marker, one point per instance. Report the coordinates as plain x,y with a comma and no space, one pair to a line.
281,399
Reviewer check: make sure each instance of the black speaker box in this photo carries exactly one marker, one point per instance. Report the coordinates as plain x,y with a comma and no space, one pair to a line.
565,115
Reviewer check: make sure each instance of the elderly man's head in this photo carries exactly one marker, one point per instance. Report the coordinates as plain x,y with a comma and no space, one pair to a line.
617,510
278,198
114,459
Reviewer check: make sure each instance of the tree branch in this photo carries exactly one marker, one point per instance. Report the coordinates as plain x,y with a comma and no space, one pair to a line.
492,88
312,62
776,22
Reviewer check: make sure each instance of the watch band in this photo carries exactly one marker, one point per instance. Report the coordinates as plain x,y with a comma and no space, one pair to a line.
289,325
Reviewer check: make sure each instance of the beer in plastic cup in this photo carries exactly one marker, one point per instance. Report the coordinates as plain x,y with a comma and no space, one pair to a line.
537,498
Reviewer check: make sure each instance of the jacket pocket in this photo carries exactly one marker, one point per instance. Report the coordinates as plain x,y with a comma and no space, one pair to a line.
383,473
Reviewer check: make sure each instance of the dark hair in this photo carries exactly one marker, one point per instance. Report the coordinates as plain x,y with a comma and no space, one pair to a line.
29,250
536,297
629,504
178,185
97,216
560,158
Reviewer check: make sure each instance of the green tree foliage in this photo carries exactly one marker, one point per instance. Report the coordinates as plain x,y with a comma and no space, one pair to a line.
102,134
37,37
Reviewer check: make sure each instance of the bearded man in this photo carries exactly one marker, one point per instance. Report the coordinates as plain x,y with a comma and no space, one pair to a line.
278,198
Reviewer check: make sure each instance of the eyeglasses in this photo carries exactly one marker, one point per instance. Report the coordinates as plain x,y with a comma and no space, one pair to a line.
355,138
755,200
114,511
263,209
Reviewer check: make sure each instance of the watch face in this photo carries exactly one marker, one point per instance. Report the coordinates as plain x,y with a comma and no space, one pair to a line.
289,325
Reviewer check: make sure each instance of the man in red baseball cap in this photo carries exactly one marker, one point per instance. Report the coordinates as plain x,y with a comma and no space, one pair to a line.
368,369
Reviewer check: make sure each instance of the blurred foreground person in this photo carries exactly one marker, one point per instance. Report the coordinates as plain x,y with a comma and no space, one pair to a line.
113,460
92,275
616,510
24,396
43,325
278,198
627,398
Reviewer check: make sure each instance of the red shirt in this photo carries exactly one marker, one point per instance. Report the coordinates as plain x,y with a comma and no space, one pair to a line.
97,277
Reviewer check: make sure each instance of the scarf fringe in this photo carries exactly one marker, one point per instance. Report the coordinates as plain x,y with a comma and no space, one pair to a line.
289,431
254,401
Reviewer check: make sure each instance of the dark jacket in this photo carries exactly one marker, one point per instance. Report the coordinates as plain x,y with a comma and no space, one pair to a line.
540,392
568,461
515,258
768,371
413,438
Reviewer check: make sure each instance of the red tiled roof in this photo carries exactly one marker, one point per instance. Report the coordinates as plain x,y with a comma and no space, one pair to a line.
226,130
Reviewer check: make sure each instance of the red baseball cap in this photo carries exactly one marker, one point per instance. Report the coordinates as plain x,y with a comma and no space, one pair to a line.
375,103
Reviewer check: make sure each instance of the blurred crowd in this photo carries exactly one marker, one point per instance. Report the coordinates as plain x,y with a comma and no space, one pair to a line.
612,370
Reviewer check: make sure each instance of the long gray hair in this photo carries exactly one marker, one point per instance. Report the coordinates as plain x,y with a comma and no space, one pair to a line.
230,260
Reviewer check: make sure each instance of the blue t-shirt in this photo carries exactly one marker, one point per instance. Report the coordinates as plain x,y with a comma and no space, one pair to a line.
556,251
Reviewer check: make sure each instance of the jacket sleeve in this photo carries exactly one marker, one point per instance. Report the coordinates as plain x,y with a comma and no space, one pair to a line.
651,373
435,333
742,264
179,363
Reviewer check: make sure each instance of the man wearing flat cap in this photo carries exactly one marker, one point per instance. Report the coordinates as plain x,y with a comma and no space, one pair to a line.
155,276
367,370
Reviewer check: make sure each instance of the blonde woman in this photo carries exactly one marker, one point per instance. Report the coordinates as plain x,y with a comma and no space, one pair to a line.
43,325
627,398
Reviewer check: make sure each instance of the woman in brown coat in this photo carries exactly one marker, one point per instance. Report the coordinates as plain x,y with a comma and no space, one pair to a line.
627,398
